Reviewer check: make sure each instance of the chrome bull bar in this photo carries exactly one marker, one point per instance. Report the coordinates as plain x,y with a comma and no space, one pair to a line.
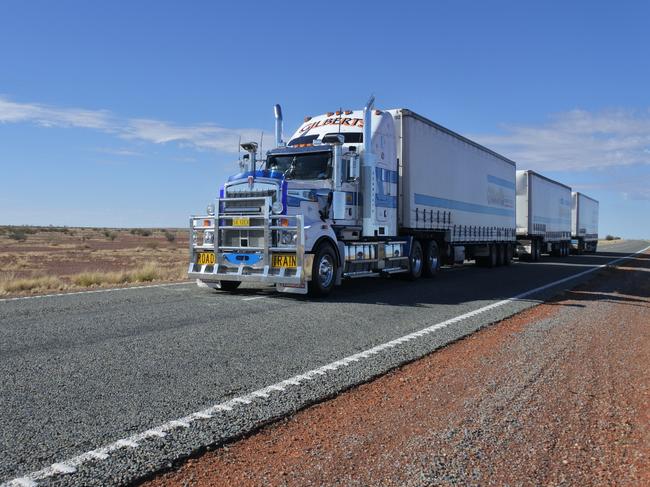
244,240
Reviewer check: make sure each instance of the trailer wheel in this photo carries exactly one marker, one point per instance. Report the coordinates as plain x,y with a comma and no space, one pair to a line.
416,261
229,286
535,251
509,254
431,259
493,259
501,254
323,271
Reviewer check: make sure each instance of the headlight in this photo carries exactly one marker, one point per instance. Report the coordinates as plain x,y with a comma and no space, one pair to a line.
277,207
210,209
194,237
208,237
288,237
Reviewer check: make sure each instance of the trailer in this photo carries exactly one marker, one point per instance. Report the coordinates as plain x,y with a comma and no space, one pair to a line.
543,216
352,194
584,223
454,191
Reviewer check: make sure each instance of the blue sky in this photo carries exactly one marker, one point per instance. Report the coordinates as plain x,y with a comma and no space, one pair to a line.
128,113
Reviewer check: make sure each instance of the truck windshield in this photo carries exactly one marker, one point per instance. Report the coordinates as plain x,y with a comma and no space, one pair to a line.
301,166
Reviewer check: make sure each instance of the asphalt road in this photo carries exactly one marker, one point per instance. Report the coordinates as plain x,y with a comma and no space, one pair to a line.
81,371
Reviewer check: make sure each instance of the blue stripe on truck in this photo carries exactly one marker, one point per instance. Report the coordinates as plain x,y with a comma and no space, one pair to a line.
426,200
500,182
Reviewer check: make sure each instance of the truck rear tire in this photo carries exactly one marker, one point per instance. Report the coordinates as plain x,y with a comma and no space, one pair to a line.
416,261
323,271
229,286
431,259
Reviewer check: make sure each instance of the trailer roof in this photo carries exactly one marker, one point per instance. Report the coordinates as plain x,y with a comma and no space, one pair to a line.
411,113
530,171
588,197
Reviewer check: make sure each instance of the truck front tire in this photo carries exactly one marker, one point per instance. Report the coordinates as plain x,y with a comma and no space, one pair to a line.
431,259
323,271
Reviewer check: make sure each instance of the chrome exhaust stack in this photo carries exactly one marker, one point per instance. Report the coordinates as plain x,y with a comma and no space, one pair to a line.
368,173
277,110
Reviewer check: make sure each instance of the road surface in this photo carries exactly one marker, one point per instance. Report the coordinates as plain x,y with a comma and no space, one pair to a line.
87,378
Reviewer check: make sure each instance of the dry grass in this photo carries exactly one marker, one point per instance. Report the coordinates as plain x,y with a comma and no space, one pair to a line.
146,273
41,284
11,285
57,258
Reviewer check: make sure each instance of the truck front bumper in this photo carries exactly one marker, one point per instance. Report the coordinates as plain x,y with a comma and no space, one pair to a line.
252,238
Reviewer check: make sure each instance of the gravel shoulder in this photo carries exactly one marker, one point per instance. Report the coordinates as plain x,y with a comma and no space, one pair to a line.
556,395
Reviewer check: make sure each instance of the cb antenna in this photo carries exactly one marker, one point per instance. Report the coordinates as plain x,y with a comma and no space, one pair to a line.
262,146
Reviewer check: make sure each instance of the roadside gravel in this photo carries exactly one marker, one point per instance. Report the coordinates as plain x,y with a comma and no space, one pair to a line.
557,395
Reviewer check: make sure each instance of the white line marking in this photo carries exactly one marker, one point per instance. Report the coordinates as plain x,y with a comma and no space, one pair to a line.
23,482
63,468
69,465
254,297
567,264
109,290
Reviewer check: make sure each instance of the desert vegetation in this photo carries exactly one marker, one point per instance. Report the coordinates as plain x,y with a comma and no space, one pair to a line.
36,260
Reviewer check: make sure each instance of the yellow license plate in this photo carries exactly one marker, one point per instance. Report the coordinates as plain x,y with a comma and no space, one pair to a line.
284,260
203,258
241,222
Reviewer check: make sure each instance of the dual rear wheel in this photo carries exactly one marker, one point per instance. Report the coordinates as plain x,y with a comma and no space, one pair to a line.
424,259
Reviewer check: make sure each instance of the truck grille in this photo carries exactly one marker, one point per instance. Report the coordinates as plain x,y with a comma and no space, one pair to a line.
243,190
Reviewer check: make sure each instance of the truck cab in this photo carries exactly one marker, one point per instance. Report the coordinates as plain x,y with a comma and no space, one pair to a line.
287,219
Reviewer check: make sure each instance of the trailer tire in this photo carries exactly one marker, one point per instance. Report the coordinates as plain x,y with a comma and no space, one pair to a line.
494,256
534,251
416,261
323,271
492,259
431,259
501,254
229,286
508,254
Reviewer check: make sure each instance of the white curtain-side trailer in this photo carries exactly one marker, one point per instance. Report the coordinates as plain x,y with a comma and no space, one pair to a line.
543,216
584,223
454,191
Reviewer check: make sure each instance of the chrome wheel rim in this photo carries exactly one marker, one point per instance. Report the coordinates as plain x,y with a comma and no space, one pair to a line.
326,271
433,262
416,261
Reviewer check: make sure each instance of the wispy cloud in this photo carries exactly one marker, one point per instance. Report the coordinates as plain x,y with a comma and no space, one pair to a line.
201,136
577,140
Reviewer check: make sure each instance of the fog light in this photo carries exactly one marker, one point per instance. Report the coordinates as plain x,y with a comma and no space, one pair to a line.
287,238
208,237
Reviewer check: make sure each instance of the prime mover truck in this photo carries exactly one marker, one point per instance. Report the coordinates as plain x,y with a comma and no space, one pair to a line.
356,193
584,223
543,216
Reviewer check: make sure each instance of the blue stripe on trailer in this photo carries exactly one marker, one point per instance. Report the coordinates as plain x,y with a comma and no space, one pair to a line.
500,182
423,199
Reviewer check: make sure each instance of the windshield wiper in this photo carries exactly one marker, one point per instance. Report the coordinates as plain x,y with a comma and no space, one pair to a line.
289,173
